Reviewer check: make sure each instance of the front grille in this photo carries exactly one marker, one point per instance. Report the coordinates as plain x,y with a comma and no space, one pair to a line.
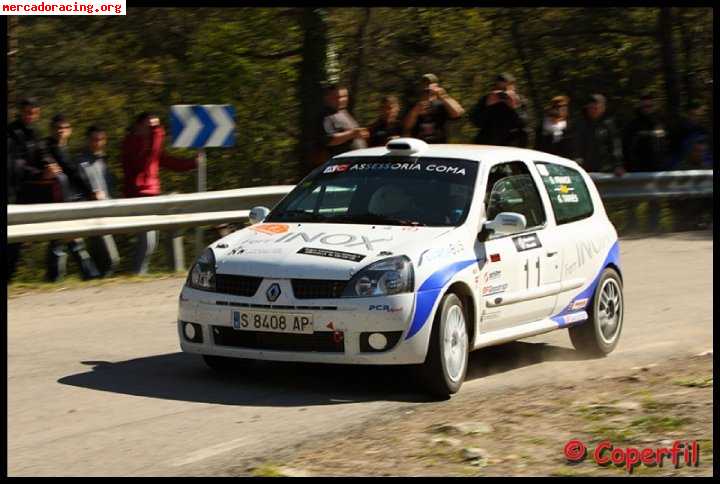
245,286
321,342
317,288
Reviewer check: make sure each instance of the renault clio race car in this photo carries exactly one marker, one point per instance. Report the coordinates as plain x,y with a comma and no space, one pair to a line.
411,254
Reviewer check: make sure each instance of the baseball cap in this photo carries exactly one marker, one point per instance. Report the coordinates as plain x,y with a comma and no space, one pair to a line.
505,77
430,78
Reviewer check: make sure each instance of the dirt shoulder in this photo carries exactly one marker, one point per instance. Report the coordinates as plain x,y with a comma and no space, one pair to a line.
523,430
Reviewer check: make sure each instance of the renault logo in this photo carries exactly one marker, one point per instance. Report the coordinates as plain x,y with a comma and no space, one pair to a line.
273,292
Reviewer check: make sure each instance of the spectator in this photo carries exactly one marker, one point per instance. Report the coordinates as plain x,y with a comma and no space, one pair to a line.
388,125
94,171
690,147
427,119
340,131
500,115
142,157
644,139
555,135
72,189
21,150
598,144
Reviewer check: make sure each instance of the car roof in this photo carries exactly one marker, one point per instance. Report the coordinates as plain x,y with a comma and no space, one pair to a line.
479,153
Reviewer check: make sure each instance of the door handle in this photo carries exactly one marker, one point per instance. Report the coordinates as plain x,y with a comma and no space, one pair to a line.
551,254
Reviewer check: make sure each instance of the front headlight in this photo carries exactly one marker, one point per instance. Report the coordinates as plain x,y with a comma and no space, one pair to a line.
202,274
383,278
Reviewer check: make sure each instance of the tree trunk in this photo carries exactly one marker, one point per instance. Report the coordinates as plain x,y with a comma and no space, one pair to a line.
669,66
12,27
520,47
688,56
359,64
313,23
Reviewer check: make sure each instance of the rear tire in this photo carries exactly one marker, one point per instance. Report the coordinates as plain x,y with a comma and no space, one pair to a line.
446,363
599,335
223,364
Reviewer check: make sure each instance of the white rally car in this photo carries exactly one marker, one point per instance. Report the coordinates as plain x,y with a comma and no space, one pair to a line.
411,254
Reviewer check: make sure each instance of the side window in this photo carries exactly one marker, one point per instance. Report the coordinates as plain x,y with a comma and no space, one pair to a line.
568,193
511,188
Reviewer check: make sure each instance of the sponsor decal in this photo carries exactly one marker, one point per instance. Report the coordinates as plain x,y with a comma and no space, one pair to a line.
443,168
256,251
488,290
492,275
527,242
561,180
222,246
542,169
571,198
564,189
431,255
491,316
575,317
271,229
383,307
347,240
335,254
579,304
336,168
494,257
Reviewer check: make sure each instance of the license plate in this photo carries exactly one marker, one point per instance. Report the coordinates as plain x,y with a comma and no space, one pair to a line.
272,322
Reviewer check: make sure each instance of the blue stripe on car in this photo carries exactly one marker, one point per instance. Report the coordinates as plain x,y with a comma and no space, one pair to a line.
613,257
429,291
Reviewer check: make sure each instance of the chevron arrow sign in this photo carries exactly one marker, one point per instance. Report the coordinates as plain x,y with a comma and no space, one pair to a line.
202,125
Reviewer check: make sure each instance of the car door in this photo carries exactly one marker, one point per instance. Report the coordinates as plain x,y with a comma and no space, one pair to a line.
521,274
584,238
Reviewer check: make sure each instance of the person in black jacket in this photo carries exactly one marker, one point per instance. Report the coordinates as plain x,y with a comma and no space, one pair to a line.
388,125
598,144
500,115
22,150
645,139
555,134
74,188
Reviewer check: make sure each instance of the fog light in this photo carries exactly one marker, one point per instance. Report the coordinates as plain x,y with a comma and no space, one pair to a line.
193,332
377,341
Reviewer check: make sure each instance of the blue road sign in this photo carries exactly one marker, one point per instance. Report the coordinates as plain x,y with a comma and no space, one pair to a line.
202,125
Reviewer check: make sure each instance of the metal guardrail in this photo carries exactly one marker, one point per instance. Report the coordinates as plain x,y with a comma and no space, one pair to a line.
80,219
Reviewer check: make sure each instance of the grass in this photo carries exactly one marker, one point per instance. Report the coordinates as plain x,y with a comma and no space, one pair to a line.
698,382
653,423
75,282
267,470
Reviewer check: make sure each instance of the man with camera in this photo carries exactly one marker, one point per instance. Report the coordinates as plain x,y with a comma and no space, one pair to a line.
427,119
500,115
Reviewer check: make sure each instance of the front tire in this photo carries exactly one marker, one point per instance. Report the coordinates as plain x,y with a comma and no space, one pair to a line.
600,334
446,363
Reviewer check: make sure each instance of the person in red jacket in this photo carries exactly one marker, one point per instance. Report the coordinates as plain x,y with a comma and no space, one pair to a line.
142,157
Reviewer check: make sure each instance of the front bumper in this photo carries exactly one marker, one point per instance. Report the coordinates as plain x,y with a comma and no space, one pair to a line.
346,322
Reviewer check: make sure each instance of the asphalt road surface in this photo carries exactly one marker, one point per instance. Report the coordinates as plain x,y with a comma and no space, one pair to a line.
97,385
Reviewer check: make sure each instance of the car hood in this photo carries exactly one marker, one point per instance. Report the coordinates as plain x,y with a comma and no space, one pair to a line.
317,251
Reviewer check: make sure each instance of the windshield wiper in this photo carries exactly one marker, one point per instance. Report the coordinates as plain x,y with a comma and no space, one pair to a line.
374,218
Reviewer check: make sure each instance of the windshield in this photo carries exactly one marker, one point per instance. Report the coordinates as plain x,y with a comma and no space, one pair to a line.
383,190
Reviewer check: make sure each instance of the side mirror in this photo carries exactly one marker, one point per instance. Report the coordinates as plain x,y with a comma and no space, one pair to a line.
506,223
258,214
